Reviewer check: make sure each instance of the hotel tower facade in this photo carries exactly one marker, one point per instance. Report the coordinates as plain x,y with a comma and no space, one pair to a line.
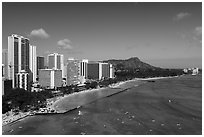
83,68
56,61
21,56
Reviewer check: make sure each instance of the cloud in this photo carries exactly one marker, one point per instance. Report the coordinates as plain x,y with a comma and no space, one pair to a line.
198,34
193,37
64,44
181,15
198,31
40,33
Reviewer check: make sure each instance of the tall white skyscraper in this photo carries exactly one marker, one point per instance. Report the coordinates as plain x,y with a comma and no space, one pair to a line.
56,61
83,68
5,63
73,71
33,62
20,56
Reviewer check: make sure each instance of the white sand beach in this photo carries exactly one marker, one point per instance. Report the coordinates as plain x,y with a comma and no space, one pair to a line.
71,101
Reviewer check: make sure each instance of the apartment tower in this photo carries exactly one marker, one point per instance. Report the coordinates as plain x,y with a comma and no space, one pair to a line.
50,78
73,71
40,63
83,68
56,61
99,70
5,63
21,56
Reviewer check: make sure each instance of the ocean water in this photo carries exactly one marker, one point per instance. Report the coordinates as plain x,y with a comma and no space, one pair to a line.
164,107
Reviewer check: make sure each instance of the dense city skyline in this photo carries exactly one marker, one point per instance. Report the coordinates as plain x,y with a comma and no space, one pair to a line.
162,34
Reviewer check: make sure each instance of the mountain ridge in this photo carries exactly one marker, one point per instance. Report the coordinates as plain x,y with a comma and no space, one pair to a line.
130,63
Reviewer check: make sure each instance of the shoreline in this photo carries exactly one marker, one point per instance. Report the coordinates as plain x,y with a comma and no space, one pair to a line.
12,119
118,86
112,86
115,86
135,111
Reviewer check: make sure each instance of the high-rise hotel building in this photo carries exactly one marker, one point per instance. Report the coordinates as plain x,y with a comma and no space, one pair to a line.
99,70
21,56
33,62
5,63
50,78
83,68
76,71
107,70
40,63
56,61
73,71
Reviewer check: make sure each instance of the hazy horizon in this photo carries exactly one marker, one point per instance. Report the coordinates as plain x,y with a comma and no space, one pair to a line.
167,34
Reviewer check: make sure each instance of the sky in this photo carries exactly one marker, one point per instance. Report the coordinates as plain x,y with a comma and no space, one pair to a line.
167,34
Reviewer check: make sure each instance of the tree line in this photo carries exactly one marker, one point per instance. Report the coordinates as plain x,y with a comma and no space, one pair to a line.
20,99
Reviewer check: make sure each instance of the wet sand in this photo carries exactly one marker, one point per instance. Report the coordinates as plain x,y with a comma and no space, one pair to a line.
167,107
